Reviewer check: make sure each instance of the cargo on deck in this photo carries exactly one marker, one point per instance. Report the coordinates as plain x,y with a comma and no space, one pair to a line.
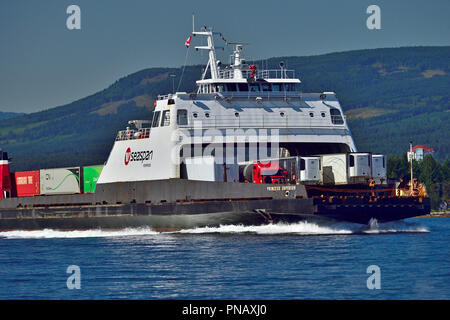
60,181
90,177
27,183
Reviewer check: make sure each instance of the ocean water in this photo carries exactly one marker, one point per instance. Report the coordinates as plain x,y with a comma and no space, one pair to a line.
281,261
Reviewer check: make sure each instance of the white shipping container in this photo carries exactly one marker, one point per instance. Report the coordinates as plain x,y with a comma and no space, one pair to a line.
309,169
206,169
379,173
334,169
359,165
60,181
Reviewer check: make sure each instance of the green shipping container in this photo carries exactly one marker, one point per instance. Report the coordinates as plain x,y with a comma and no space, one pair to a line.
90,177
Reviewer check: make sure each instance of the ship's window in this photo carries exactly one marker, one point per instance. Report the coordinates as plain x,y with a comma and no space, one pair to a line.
165,121
182,117
369,158
207,114
323,114
277,87
266,87
384,163
351,161
254,87
195,115
231,87
156,119
220,88
290,87
243,86
236,114
311,114
336,117
170,101
282,114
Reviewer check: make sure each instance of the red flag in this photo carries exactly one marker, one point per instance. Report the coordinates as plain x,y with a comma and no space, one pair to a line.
188,42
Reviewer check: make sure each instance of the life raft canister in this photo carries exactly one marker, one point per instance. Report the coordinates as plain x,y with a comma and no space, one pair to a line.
252,68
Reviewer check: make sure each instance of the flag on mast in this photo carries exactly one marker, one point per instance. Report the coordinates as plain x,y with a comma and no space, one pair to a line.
188,42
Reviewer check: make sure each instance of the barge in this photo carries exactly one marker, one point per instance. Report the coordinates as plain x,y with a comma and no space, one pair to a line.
247,147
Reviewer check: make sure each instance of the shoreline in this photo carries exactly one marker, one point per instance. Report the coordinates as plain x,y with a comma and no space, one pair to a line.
440,214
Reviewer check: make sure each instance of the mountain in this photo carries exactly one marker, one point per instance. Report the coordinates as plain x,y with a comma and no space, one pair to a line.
9,115
390,96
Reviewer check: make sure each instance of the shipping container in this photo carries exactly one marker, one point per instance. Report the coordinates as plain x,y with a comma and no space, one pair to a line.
309,170
360,166
206,169
379,168
27,183
334,169
90,178
60,181
346,168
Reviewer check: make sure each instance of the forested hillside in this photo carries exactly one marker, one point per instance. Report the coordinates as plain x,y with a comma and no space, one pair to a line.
390,96
9,115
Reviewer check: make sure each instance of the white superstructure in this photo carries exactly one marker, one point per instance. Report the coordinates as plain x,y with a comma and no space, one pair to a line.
234,108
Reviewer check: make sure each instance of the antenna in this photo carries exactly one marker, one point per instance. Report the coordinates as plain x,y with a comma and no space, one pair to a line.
239,43
193,24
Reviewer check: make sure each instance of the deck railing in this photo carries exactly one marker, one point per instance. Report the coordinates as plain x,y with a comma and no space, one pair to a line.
259,74
279,120
133,134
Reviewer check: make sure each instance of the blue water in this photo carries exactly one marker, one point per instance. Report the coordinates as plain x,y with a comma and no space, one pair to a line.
297,261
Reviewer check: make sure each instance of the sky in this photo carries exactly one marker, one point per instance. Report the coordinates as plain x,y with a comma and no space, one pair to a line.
43,64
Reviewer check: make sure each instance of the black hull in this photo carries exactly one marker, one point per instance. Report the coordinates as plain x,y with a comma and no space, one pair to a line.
115,207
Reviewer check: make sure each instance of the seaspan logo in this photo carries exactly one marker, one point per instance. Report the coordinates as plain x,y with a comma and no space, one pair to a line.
137,156
127,156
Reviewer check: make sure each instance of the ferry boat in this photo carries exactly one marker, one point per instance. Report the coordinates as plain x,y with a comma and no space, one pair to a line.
246,148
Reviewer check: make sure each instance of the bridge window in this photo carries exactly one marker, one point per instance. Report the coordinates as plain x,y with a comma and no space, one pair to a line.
182,117
220,88
231,87
336,117
254,87
277,87
165,121
155,122
266,87
291,87
243,86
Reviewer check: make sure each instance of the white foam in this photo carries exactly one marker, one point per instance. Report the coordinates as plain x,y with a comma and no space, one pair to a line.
298,228
49,233
303,228
393,227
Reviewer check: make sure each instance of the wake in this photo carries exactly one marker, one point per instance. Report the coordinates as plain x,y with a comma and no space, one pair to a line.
303,228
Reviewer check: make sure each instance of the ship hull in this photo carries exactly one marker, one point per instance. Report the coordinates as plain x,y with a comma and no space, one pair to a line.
182,204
